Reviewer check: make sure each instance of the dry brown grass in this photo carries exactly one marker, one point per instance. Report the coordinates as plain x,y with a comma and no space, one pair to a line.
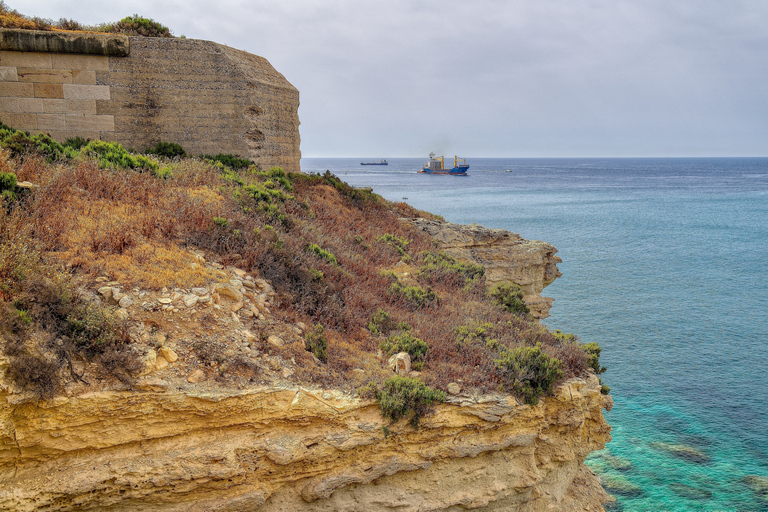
139,229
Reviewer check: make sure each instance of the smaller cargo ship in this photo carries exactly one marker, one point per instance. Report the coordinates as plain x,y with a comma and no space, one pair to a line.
380,162
437,166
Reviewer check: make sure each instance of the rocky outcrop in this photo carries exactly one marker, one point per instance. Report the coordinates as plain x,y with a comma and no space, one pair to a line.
507,257
289,449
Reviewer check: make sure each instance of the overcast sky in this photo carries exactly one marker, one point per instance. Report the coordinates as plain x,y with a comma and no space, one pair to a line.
514,78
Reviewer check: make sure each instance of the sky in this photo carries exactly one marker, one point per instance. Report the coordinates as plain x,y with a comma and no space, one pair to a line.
494,78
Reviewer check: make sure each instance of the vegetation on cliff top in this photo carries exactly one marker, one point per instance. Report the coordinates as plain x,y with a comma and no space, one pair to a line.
130,25
340,259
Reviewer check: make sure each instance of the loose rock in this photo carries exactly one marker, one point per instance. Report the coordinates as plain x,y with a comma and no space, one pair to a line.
196,376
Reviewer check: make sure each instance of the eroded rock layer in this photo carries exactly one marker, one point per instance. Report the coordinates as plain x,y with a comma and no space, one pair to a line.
506,256
272,450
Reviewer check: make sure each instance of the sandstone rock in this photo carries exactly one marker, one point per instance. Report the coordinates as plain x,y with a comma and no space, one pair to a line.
190,300
196,376
237,306
506,257
122,314
125,302
240,272
150,362
164,300
454,388
200,292
151,384
229,291
106,292
400,363
168,354
249,284
275,340
117,295
161,363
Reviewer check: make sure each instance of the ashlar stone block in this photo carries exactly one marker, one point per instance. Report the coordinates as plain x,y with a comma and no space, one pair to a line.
19,121
60,106
17,89
46,76
51,122
8,74
48,91
21,105
86,92
25,59
78,122
75,61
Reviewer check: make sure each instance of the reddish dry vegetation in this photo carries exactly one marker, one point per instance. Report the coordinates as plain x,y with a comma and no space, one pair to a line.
139,228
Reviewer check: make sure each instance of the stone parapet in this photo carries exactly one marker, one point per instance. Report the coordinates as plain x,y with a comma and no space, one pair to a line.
19,40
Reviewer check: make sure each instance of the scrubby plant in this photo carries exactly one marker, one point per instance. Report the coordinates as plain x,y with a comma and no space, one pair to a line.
416,296
438,266
277,174
111,154
167,149
510,297
76,142
529,371
316,343
399,243
138,25
382,323
406,342
8,182
402,396
474,333
229,160
322,253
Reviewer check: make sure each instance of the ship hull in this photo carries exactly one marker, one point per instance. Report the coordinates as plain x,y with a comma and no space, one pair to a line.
454,171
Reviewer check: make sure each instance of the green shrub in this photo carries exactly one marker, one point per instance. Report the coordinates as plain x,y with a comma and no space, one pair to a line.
137,25
279,175
510,297
381,323
221,222
8,182
406,342
438,264
316,343
593,351
229,160
401,396
167,149
476,332
398,242
20,143
111,154
529,372
322,253
417,296
76,142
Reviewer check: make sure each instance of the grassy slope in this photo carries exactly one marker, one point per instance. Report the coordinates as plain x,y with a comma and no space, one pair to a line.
92,217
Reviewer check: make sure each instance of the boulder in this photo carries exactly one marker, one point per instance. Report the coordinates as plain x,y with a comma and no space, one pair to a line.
400,363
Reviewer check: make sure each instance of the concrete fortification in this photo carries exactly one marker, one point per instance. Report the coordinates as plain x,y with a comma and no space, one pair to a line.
138,91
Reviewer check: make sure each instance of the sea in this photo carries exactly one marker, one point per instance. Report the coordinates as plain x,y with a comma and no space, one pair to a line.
665,265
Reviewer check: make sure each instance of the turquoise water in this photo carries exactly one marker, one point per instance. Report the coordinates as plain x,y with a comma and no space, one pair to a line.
664,265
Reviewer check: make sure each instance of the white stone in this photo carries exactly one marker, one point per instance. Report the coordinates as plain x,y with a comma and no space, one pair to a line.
125,302
190,300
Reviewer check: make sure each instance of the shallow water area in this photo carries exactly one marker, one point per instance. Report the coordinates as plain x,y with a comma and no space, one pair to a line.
664,262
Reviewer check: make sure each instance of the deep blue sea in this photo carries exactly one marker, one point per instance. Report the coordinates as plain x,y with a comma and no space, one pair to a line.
664,265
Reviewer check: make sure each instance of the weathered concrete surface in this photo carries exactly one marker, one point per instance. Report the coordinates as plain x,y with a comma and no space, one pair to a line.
205,96
64,42
506,256
276,450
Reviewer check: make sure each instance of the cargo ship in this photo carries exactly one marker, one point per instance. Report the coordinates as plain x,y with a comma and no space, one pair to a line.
380,162
436,165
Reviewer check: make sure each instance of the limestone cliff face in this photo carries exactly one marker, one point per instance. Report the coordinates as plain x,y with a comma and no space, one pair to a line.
290,449
507,257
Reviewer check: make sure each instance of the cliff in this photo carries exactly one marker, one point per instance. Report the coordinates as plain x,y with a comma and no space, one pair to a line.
272,449
506,257
139,91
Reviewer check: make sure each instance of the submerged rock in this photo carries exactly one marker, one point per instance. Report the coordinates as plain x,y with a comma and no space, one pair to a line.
618,484
683,451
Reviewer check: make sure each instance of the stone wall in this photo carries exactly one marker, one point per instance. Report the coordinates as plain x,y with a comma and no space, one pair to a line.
139,91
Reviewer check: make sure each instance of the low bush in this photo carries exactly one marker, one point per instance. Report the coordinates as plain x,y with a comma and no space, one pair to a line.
399,243
406,342
402,396
8,182
322,254
440,267
231,161
382,323
167,150
476,333
138,26
510,297
316,343
416,296
529,372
